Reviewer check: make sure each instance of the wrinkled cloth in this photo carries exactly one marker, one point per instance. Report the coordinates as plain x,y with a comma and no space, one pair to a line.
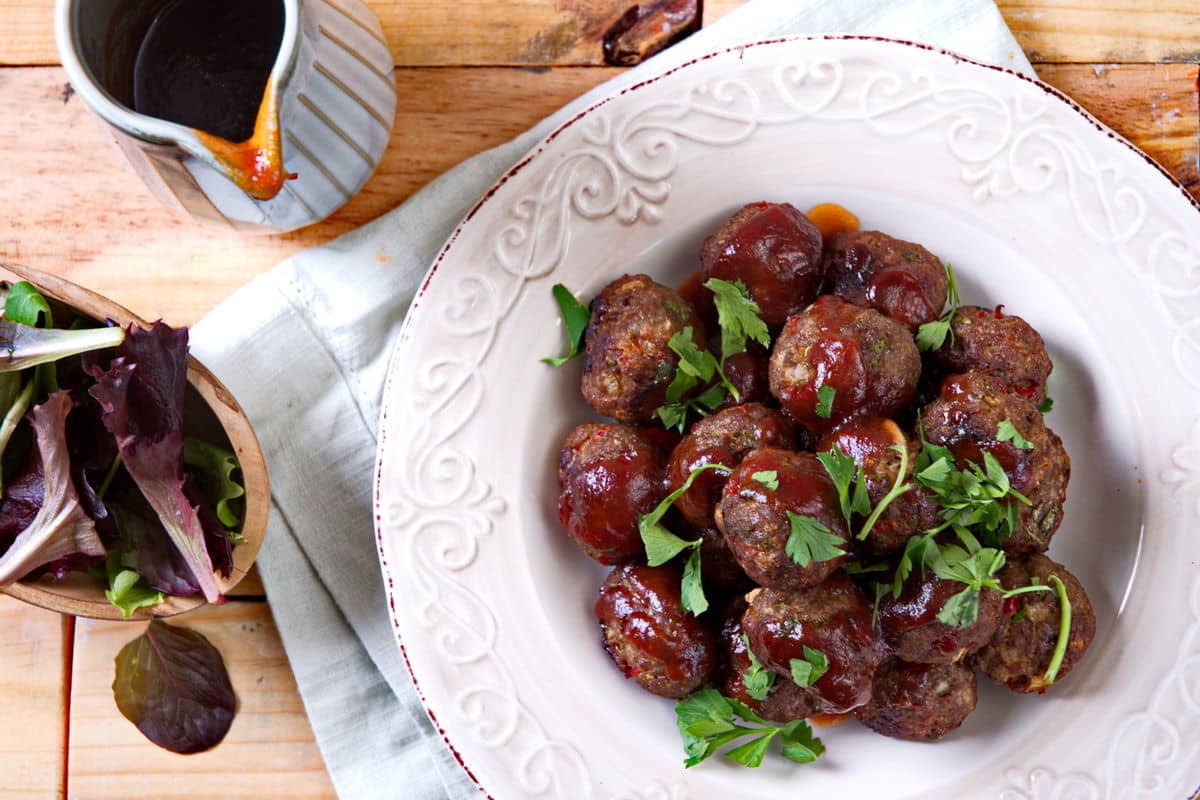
305,348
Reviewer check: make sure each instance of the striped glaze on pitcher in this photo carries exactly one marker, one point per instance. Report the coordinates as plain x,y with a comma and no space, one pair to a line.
323,125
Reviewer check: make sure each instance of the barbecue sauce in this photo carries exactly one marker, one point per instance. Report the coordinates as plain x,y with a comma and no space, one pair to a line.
206,64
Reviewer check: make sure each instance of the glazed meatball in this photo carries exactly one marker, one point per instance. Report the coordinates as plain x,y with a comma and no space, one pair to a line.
785,701
1002,345
649,636
775,251
833,618
608,475
718,566
754,516
909,626
966,418
628,364
869,360
723,438
919,702
1019,654
900,279
869,441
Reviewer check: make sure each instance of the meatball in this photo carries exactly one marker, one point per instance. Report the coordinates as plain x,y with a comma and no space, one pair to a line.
723,438
966,418
649,636
628,363
720,570
747,371
784,702
754,516
869,361
1002,345
1019,654
608,475
833,618
775,251
909,626
869,441
919,702
898,278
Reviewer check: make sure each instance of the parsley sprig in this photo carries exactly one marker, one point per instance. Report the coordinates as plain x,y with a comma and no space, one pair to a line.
851,484
696,367
706,723
738,316
575,317
825,396
932,335
758,680
662,545
1007,432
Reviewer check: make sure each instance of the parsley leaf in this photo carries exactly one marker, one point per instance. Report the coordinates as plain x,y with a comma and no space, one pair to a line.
1007,432
811,541
1047,405
825,395
960,610
859,568
758,680
738,316
808,670
575,317
768,478
706,724
691,590
932,335
662,545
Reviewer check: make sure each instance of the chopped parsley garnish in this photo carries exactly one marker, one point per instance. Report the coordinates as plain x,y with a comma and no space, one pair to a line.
662,545
825,395
696,367
738,316
810,540
706,723
975,568
1047,405
932,335
846,474
1007,432
1064,630
768,478
575,317
808,670
758,680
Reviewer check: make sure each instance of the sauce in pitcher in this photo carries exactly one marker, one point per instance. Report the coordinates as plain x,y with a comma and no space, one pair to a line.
205,64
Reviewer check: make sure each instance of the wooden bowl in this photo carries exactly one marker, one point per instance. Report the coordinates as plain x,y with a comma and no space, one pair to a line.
81,594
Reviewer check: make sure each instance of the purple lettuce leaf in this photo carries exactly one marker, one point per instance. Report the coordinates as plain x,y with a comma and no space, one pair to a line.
142,395
23,495
61,528
146,548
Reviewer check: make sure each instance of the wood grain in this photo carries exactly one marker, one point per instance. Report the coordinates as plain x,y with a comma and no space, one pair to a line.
269,751
32,681
572,32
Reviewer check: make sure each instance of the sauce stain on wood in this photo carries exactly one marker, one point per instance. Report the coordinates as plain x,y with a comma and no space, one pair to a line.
622,33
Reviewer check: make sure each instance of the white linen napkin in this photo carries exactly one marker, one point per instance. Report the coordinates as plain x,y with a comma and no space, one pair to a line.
305,348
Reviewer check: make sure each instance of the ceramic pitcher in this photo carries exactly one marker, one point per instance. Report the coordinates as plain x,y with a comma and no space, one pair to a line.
322,126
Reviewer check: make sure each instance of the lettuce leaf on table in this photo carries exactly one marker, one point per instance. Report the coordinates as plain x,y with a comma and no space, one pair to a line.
61,528
142,395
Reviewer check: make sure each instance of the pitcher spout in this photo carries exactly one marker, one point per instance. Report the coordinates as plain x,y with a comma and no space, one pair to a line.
255,165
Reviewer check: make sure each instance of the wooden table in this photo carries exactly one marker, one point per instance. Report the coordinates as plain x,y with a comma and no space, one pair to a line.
471,74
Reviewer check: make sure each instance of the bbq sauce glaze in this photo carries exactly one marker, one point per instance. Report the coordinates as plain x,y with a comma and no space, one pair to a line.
205,64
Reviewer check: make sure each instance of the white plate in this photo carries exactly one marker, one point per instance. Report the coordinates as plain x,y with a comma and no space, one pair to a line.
1036,204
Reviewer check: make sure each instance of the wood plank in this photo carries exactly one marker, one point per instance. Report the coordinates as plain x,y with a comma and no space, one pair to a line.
269,745
1154,106
572,32
32,685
